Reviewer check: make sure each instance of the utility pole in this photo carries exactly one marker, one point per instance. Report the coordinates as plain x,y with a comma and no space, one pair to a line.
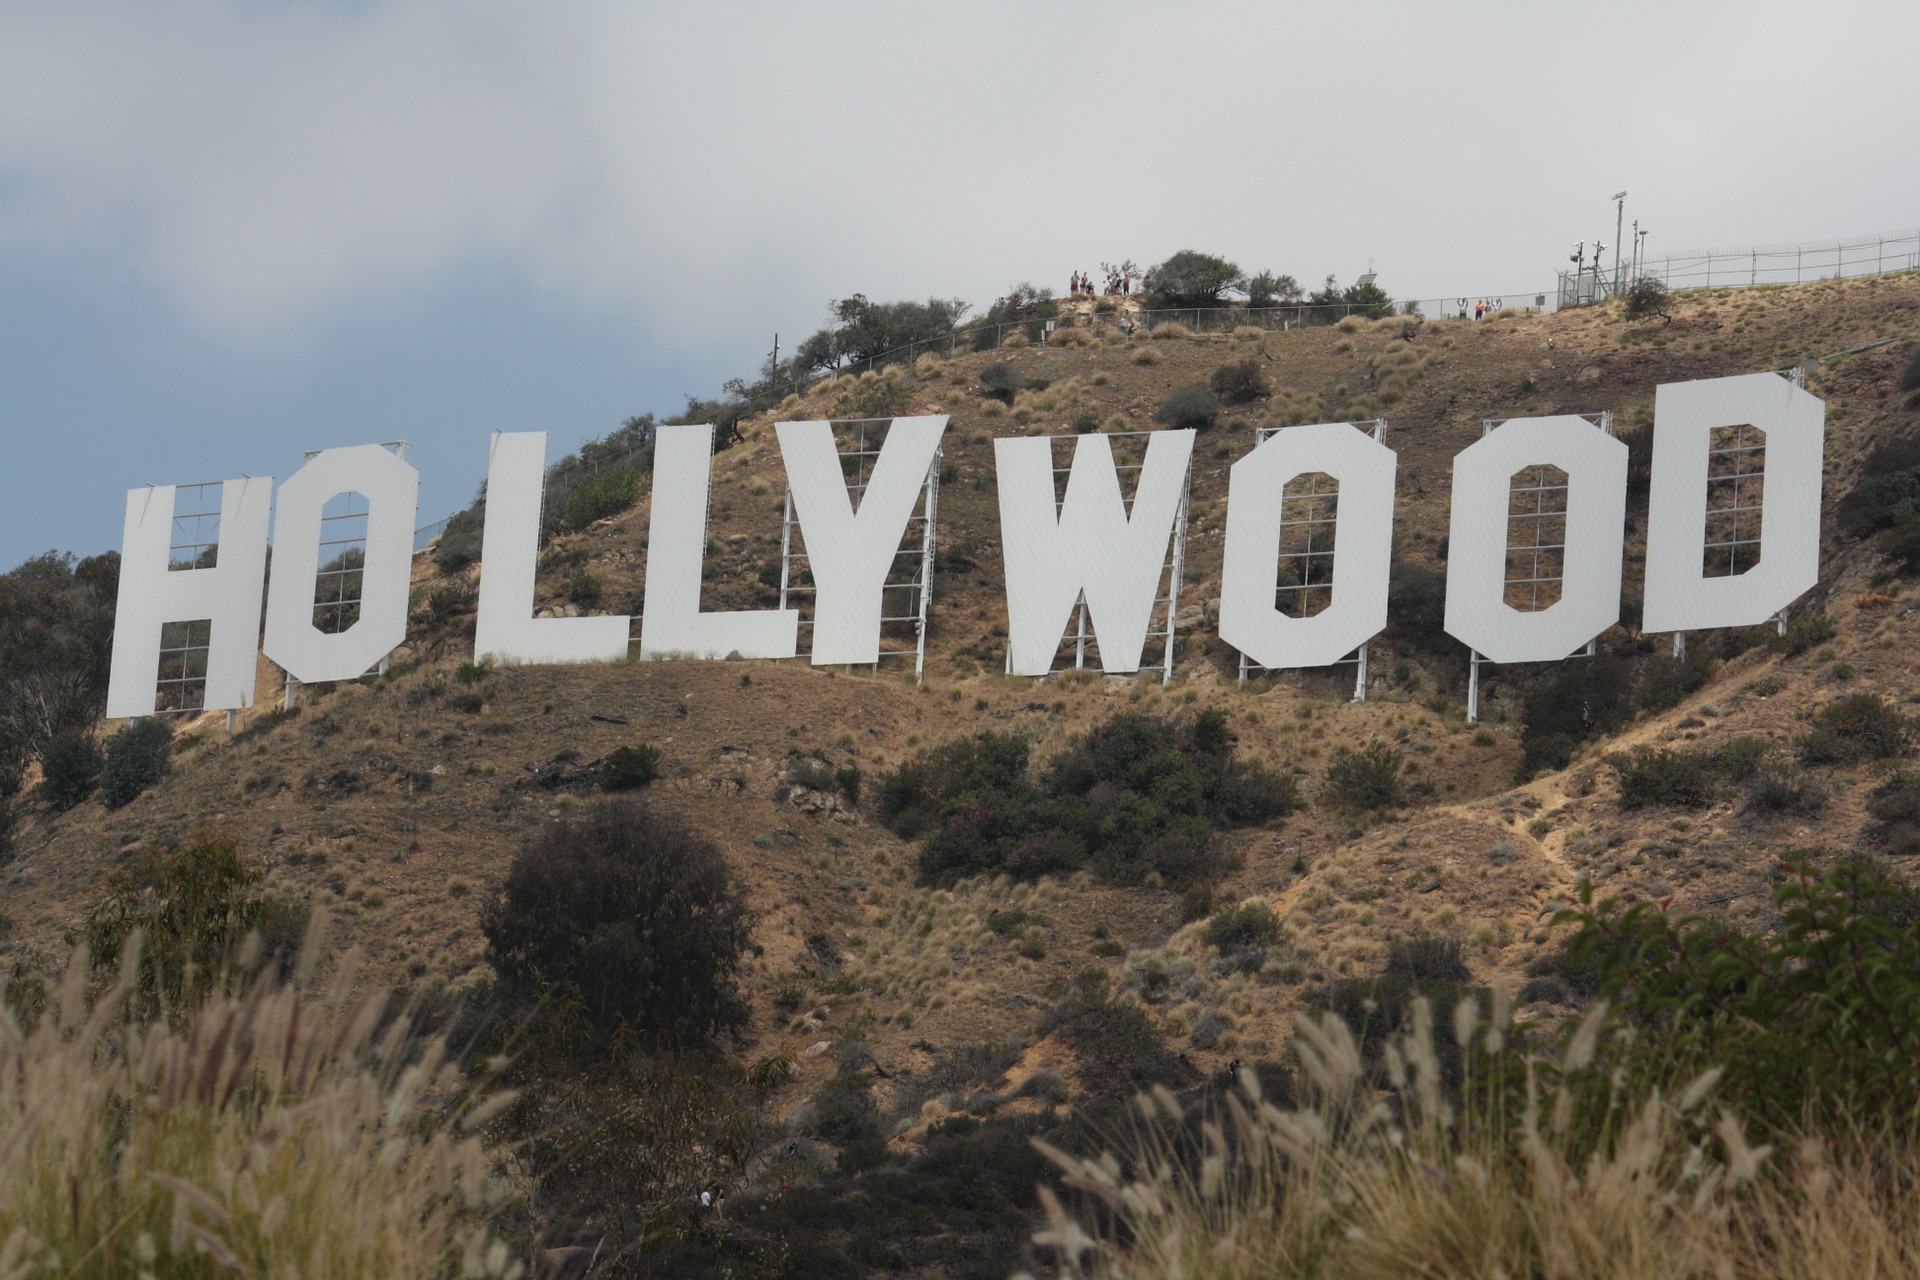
1619,225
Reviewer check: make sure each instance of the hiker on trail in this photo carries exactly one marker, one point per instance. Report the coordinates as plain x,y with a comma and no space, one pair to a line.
719,1201
1479,309
706,1198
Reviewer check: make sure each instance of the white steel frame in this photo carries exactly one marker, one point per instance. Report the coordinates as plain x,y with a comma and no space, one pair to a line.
1377,428
918,587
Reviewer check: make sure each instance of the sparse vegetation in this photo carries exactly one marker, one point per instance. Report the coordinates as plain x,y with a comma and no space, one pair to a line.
628,768
1365,779
1191,407
1859,726
1240,382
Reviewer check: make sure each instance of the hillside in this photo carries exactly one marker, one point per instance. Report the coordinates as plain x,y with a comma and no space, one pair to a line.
400,801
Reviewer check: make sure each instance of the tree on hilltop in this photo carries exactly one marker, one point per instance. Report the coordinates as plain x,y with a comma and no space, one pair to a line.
1192,279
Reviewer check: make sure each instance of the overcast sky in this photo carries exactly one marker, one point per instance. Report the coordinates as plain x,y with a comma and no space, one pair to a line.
232,232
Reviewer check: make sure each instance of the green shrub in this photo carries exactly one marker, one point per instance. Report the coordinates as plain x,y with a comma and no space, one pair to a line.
1377,1007
1191,406
1001,382
445,603
1646,296
138,756
192,906
1859,726
1581,700
1655,775
1888,489
459,543
1239,382
1365,779
1895,805
1118,1047
1429,957
580,585
1738,759
632,914
1910,372
1814,1023
1668,681
1417,608
1804,633
1135,795
68,768
606,494
1784,791
627,768
1901,543
1246,927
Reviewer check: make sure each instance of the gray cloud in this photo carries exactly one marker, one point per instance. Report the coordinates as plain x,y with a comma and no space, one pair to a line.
277,167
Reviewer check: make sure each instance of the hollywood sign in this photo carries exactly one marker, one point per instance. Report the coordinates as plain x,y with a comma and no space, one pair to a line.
1089,546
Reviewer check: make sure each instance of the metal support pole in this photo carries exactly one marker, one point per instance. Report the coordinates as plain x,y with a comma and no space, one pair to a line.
1080,638
1619,225
1179,567
230,718
926,566
786,544
1473,686
1679,644
1780,622
1360,675
293,688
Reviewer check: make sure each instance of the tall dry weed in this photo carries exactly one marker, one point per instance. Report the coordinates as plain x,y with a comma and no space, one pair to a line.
275,1132
1559,1177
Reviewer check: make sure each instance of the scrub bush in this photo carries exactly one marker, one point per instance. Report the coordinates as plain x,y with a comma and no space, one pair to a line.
68,768
632,914
138,756
1192,407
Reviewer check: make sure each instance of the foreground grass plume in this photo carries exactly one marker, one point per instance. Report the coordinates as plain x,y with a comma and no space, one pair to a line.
1576,1181
272,1132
